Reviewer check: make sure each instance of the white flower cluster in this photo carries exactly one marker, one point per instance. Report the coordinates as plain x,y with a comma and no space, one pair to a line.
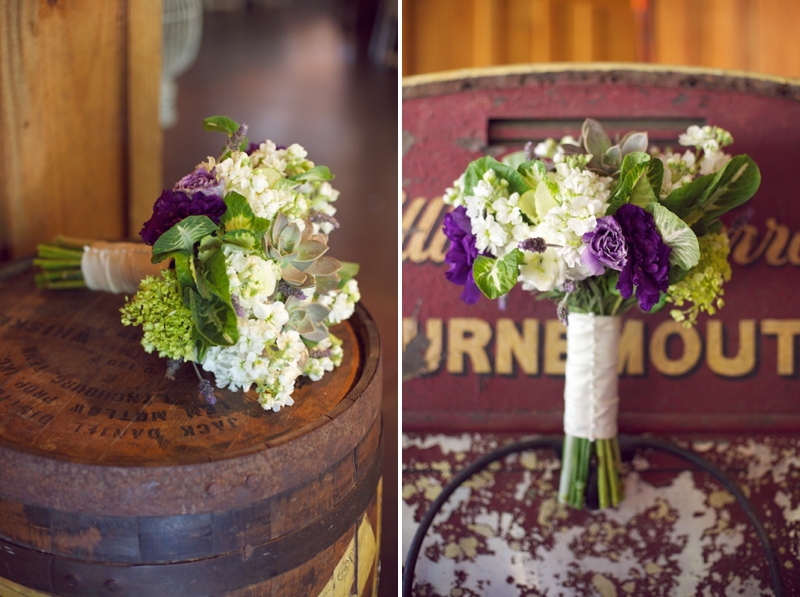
711,139
262,179
679,169
566,216
330,355
252,279
265,354
497,221
341,302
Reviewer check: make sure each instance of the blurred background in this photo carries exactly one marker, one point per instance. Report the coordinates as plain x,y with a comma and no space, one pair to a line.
101,107
752,35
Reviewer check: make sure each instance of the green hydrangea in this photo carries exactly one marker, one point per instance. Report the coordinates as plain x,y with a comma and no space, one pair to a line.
702,285
165,320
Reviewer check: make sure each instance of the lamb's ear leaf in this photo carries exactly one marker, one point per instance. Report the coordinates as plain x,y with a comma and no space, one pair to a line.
496,277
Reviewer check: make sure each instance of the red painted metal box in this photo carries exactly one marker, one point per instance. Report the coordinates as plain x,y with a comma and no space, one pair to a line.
487,367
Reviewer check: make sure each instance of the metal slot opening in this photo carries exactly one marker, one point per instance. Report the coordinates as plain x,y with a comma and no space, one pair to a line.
513,133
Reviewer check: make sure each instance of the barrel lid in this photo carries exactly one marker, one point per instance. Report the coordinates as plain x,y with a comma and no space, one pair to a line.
83,406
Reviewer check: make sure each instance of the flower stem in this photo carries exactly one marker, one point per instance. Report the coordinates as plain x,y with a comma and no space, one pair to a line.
602,477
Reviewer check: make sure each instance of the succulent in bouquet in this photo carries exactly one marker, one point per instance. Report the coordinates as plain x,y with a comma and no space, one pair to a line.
599,226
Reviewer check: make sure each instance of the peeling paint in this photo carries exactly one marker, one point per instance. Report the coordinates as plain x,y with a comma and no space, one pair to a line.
676,533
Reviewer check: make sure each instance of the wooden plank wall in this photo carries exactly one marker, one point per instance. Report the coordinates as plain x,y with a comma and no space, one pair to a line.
80,143
754,35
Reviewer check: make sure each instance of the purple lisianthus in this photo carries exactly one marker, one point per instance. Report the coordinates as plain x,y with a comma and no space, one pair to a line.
605,247
461,254
647,265
200,180
173,206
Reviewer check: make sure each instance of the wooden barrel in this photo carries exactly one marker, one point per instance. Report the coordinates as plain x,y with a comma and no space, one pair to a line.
117,481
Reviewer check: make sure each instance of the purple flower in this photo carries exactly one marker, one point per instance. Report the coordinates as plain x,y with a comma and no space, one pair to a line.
647,265
605,247
461,254
200,180
173,206
207,392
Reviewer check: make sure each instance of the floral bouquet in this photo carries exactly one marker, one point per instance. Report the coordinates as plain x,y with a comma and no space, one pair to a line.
245,289
599,227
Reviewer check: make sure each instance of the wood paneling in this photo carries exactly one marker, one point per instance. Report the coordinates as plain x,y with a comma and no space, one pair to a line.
78,141
447,34
751,35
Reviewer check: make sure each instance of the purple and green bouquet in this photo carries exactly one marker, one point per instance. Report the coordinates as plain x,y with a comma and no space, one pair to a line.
599,226
243,287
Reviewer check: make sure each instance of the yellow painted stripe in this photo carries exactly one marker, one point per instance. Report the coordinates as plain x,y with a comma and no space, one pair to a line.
12,589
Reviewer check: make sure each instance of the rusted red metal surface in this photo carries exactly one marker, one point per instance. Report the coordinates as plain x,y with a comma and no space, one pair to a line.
484,367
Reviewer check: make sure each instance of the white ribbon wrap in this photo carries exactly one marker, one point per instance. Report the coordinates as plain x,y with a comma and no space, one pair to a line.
591,399
117,267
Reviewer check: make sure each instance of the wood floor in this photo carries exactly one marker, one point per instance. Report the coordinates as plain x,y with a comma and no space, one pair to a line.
297,73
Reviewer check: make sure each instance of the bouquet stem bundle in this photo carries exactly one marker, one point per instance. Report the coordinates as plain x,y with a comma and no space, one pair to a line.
60,263
590,472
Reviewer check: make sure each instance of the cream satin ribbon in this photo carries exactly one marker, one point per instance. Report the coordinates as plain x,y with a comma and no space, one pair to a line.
117,267
591,399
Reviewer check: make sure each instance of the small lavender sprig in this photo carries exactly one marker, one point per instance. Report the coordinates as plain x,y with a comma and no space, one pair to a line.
235,140
318,217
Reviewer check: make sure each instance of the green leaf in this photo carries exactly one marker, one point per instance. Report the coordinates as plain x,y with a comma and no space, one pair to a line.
183,235
676,274
285,184
681,200
655,176
217,276
647,188
476,170
514,159
496,277
634,165
220,124
315,174
214,320
533,172
183,271
348,272
734,184
240,216
250,241
677,235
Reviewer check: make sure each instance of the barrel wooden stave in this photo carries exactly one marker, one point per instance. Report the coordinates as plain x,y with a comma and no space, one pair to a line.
268,509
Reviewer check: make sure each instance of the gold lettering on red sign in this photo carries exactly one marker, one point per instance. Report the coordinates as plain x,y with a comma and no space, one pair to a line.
534,351
743,362
468,337
785,330
524,347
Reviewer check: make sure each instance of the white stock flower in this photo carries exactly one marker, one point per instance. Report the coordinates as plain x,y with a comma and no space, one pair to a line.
263,356
582,198
542,271
341,302
331,354
495,216
252,279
